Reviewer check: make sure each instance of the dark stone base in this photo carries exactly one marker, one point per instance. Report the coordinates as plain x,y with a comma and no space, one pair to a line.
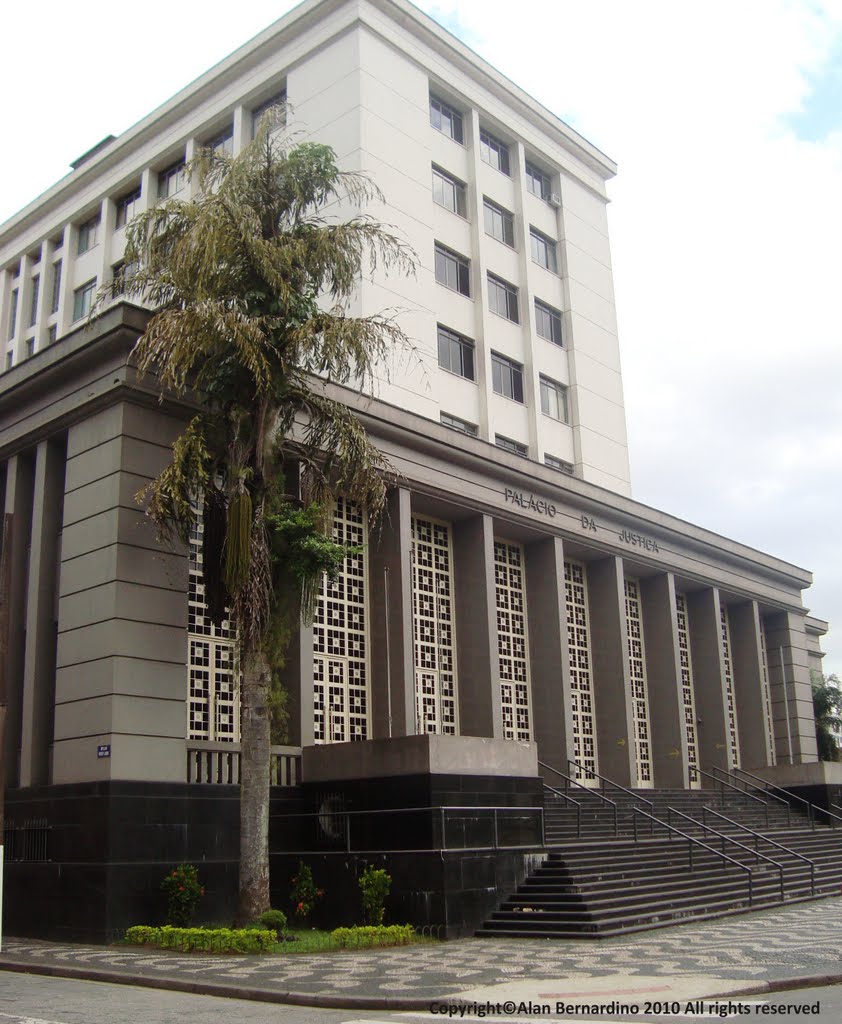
108,847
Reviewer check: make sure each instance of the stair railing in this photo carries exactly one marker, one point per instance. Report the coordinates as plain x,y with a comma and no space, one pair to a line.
574,782
723,838
589,772
693,841
722,783
570,800
767,789
758,836
812,809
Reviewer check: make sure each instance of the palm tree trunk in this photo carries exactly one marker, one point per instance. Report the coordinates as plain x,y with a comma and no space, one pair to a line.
255,748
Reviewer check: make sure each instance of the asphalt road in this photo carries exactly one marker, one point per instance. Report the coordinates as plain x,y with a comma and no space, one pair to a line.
29,999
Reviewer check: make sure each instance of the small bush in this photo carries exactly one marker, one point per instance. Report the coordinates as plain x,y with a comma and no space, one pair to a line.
373,935
304,893
204,940
375,885
276,920
183,891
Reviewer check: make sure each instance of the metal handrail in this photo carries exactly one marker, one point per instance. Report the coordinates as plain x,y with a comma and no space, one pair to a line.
730,839
568,779
766,839
691,841
441,808
569,799
767,789
611,782
722,783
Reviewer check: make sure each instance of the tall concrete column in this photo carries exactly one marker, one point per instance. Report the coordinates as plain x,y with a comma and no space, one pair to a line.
392,658
663,677
41,611
478,668
755,745
612,688
20,479
121,675
709,679
552,714
788,664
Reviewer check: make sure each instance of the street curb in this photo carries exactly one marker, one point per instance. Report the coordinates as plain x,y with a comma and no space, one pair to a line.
326,1001
173,983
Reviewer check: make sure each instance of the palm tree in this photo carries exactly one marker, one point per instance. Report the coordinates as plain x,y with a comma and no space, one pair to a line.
250,281
827,701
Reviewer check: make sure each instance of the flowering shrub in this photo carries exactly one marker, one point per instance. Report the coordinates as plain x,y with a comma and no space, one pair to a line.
183,894
375,885
304,893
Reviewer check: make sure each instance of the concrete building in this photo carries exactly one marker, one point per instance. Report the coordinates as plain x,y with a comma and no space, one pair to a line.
515,605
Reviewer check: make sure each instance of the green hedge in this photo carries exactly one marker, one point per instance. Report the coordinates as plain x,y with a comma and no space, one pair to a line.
373,935
205,940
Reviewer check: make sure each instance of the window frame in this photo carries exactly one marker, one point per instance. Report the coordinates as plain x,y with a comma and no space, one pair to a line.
56,294
175,172
495,212
509,374
456,131
494,152
218,142
35,286
456,423
555,319
532,172
13,312
459,192
81,309
126,206
550,250
88,237
462,346
278,100
547,387
508,444
559,465
462,265
512,302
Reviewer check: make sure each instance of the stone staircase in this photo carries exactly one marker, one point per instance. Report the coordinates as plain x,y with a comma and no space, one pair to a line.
598,880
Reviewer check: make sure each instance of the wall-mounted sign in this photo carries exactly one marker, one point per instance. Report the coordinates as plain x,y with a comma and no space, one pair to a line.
637,541
529,503
103,750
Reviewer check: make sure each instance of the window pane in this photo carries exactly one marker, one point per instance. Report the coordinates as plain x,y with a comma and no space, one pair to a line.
445,119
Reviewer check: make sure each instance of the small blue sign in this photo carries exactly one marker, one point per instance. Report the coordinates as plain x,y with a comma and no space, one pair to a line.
103,750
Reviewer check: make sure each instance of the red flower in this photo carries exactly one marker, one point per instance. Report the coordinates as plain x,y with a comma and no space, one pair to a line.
181,888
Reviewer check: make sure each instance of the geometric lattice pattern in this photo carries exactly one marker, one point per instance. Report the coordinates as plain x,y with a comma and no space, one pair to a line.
511,640
341,696
637,676
581,680
433,627
731,705
767,697
688,702
213,705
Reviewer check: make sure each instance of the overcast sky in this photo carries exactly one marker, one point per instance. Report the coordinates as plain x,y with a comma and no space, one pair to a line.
726,223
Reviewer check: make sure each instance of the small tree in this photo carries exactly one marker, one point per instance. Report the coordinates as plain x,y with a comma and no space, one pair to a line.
827,705
241,276
375,886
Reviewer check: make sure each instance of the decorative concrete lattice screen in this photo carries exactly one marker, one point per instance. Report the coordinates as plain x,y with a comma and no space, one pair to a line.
512,640
637,676
581,682
686,661
341,699
433,627
767,696
213,705
731,704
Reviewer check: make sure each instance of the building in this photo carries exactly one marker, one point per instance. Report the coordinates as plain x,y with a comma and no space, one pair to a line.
516,605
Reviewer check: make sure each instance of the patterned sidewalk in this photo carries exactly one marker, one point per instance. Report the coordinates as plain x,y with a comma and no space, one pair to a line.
781,947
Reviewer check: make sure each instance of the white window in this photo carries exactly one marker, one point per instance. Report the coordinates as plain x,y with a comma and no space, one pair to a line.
127,206
502,298
13,312
88,233
452,270
559,464
83,299
553,399
543,250
499,223
494,152
172,180
33,300
548,322
515,447
56,286
223,143
456,353
449,192
537,182
507,377
446,120
463,426
278,100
